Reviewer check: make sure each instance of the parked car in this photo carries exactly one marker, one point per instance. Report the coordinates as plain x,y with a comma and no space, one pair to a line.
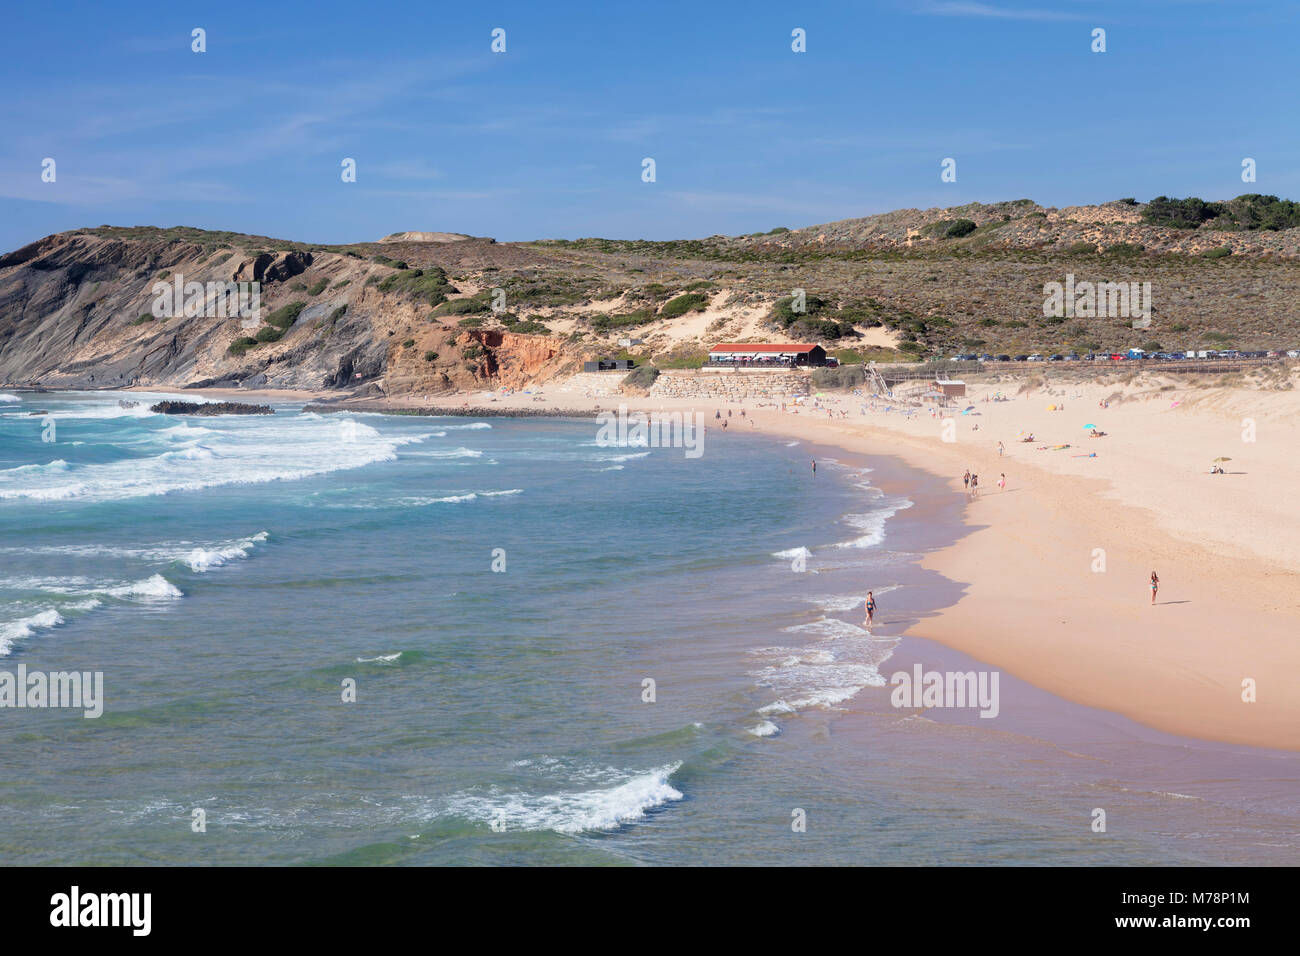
986,358
1072,357
1293,353
1022,358
1057,358
1004,358
1035,358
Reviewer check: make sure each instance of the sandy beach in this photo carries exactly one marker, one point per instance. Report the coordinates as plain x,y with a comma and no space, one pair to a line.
1055,567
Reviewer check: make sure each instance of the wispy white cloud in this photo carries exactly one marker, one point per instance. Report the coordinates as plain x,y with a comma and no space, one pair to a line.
967,8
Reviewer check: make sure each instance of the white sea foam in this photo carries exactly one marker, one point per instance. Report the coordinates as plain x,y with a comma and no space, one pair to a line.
194,452
154,587
64,584
872,523
185,430
97,410
236,451
381,659
574,812
205,559
457,499
472,427
835,666
26,627
765,729
57,465
792,553
6,397
838,603
166,551
451,453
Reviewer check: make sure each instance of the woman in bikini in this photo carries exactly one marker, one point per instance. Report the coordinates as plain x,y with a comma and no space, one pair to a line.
871,608
1155,586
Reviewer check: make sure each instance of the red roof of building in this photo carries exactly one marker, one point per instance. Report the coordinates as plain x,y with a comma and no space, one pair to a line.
755,347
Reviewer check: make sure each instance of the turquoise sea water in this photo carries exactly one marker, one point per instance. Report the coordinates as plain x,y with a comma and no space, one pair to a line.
229,576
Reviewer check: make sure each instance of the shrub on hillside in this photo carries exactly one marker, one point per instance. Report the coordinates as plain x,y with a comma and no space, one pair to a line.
286,315
604,323
1180,213
241,345
642,377
431,286
687,302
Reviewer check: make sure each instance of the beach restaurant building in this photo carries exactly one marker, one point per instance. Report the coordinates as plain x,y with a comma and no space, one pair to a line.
750,354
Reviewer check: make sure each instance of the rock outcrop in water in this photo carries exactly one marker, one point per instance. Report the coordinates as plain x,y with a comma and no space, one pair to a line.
210,408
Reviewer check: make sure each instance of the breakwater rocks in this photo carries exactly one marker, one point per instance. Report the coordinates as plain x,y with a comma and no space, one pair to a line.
464,411
210,408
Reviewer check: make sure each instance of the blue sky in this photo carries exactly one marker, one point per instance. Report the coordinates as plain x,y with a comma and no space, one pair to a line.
547,139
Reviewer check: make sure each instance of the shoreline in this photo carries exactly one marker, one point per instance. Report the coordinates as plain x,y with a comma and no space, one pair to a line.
1033,601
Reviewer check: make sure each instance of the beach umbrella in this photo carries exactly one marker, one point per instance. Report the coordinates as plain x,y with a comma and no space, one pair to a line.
1086,427
1222,458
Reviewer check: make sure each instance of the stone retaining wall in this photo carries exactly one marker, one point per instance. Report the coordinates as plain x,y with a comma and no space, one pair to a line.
594,384
730,384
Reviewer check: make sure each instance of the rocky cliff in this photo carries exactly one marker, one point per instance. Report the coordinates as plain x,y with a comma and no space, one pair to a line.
82,310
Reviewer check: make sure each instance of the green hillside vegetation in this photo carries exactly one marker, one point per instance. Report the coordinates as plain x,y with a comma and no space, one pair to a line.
1246,212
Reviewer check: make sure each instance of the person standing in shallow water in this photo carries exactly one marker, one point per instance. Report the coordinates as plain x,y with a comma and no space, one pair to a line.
871,608
1155,586
814,466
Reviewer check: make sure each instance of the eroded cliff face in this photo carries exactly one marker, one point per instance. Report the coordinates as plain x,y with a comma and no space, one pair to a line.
77,310
474,359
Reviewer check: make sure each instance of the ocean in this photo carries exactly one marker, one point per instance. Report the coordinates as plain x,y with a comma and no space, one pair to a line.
382,639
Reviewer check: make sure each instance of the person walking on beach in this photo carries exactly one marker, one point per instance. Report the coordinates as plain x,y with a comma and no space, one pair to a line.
1000,449
814,464
965,480
1002,482
871,608
1155,586
974,486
